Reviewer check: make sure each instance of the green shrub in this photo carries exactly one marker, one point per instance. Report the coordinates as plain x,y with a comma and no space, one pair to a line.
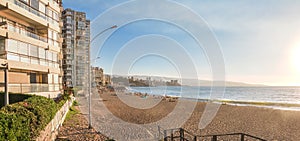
25,120
43,108
18,122
13,98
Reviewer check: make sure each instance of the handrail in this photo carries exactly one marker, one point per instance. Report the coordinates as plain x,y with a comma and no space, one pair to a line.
182,136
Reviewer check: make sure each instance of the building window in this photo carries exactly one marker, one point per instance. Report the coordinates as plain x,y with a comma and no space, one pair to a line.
42,7
12,46
34,4
23,48
34,51
33,78
2,45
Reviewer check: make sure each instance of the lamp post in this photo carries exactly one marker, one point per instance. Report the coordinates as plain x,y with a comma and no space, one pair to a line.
89,72
4,65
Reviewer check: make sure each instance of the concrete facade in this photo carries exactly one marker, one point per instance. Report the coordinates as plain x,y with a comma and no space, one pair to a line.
30,41
97,75
76,35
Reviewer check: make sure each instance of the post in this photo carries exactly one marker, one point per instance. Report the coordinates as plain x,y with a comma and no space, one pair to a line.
214,138
158,128
89,72
242,137
165,135
181,134
21,88
6,95
89,91
172,136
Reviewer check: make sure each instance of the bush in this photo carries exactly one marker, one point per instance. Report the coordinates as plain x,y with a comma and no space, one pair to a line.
18,122
24,120
13,98
44,110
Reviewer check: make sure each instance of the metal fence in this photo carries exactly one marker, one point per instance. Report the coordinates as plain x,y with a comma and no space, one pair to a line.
179,134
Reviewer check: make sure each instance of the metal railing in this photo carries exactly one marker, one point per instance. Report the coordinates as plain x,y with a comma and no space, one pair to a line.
31,59
183,135
23,30
34,11
20,29
31,88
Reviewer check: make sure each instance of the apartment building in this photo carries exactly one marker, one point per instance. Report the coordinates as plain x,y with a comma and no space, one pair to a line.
76,50
97,75
30,44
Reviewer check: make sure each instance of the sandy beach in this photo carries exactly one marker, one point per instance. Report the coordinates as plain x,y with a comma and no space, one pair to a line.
265,123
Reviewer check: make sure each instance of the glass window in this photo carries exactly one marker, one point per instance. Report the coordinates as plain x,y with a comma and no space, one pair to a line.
42,53
25,59
50,34
55,57
23,48
34,61
42,7
11,27
12,46
55,16
49,12
49,55
2,44
55,35
12,57
25,1
55,78
34,51
34,4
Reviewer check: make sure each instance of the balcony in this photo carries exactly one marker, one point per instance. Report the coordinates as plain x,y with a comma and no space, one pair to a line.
22,30
38,18
32,88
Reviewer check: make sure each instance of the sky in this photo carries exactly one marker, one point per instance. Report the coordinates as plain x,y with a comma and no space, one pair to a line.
259,39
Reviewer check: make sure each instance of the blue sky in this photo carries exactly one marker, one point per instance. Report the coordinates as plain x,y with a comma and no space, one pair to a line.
260,39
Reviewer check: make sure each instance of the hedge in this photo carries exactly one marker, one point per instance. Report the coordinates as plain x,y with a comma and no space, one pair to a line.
24,120
13,98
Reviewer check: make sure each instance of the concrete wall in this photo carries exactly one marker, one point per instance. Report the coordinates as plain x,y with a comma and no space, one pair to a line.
51,131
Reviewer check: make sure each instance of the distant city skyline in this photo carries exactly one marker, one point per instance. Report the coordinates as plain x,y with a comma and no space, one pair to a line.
260,39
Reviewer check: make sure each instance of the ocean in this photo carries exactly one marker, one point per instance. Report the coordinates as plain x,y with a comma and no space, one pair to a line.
285,98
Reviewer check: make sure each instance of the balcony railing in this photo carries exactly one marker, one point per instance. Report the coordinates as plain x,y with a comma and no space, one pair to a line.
31,59
34,11
32,88
21,29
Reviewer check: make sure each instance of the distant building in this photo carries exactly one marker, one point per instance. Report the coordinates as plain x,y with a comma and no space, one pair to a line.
76,34
106,80
97,76
173,83
30,43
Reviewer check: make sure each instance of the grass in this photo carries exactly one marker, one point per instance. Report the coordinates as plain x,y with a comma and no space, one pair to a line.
73,111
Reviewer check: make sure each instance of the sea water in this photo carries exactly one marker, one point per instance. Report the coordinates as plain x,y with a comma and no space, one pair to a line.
273,97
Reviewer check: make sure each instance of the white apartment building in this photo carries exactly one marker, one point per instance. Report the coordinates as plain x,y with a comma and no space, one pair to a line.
30,42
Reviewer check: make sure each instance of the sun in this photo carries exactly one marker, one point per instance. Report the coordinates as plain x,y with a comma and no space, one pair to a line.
296,58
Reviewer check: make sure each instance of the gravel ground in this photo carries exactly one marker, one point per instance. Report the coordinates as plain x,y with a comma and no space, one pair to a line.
76,129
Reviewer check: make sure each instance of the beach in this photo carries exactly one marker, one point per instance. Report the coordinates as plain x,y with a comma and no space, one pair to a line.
265,123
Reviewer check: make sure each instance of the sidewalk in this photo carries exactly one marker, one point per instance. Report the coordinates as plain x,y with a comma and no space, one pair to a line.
76,129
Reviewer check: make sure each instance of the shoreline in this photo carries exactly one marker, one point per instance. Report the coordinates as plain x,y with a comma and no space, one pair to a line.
259,104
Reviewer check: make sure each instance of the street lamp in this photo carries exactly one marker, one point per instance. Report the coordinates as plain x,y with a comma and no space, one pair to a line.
89,71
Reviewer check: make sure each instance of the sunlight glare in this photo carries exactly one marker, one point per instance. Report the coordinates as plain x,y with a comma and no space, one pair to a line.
296,58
